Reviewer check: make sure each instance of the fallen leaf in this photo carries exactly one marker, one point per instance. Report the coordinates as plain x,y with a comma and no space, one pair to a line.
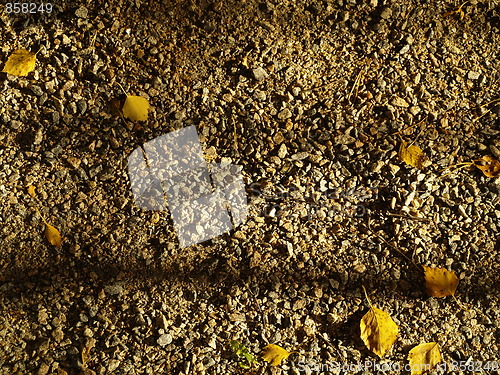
60,371
115,107
411,155
457,12
424,357
85,354
440,282
31,191
274,354
20,63
136,108
489,166
53,235
378,331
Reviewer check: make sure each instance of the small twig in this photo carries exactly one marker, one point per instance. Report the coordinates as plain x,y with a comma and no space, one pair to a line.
236,147
409,217
93,41
488,111
462,165
415,139
493,101
355,86
394,247
411,126
319,87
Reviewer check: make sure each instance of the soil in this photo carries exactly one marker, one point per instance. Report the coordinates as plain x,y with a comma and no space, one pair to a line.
313,100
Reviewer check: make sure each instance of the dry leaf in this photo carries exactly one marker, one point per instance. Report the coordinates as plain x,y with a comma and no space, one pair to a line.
60,371
424,357
457,12
378,331
85,355
411,155
53,235
115,107
489,166
440,282
136,108
274,354
31,191
20,63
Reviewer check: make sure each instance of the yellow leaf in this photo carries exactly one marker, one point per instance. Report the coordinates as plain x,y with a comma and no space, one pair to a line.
85,355
424,357
411,155
274,354
136,108
489,166
31,191
20,63
378,331
53,235
440,282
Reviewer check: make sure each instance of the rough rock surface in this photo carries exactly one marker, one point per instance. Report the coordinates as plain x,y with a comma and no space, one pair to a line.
312,99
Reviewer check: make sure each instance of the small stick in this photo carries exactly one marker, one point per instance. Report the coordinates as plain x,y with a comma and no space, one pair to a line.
409,127
409,217
356,84
466,164
394,247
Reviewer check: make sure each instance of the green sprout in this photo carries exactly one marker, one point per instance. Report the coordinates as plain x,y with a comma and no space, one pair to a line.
242,352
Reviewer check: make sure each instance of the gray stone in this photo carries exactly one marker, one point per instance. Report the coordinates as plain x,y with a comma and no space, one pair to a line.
113,289
386,13
164,339
259,74
37,90
81,12
285,114
473,75
404,50
82,106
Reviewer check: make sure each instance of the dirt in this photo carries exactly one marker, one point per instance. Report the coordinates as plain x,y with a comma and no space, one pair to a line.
313,100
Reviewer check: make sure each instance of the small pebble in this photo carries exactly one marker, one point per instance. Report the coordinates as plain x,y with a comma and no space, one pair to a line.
81,12
473,75
164,339
259,74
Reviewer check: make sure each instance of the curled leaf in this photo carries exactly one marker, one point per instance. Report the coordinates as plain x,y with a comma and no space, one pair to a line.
20,63
424,357
136,108
274,354
53,235
378,331
489,166
440,282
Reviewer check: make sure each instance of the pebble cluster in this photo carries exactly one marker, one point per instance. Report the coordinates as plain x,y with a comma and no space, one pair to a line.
312,99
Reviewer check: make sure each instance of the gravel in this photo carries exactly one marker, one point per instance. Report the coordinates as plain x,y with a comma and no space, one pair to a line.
312,100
